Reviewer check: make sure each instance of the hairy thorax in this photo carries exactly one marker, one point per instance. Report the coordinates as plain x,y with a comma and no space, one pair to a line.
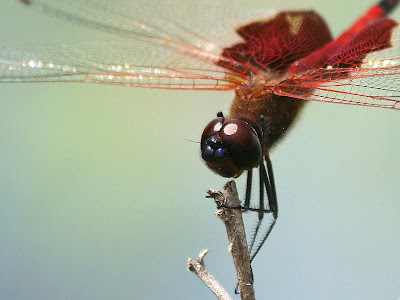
257,98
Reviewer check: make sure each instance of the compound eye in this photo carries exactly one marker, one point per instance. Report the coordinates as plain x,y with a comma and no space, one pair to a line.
242,143
211,129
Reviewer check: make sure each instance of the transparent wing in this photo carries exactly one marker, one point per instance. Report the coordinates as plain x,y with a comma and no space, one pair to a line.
374,82
160,44
115,63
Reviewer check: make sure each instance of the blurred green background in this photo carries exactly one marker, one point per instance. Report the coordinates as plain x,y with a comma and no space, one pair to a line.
102,196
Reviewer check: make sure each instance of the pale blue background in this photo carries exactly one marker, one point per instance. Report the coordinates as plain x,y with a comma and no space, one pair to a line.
102,196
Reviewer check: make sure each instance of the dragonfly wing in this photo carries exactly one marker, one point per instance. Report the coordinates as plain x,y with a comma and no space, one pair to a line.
377,87
160,44
116,63
360,75
207,24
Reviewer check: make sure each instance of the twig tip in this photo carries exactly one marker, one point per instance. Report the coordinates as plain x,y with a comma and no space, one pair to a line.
202,254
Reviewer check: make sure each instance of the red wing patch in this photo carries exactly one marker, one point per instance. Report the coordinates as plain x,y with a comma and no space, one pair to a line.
375,37
277,43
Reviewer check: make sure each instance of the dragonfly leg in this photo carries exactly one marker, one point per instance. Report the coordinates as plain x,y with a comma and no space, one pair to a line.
246,205
269,183
273,201
248,189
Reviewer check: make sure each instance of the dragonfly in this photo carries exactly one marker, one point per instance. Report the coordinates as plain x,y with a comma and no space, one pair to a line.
273,61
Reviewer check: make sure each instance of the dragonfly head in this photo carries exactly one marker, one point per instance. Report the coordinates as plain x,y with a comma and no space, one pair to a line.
230,147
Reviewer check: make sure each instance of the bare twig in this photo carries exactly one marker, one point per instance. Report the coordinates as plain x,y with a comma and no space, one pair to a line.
198,267
233,221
